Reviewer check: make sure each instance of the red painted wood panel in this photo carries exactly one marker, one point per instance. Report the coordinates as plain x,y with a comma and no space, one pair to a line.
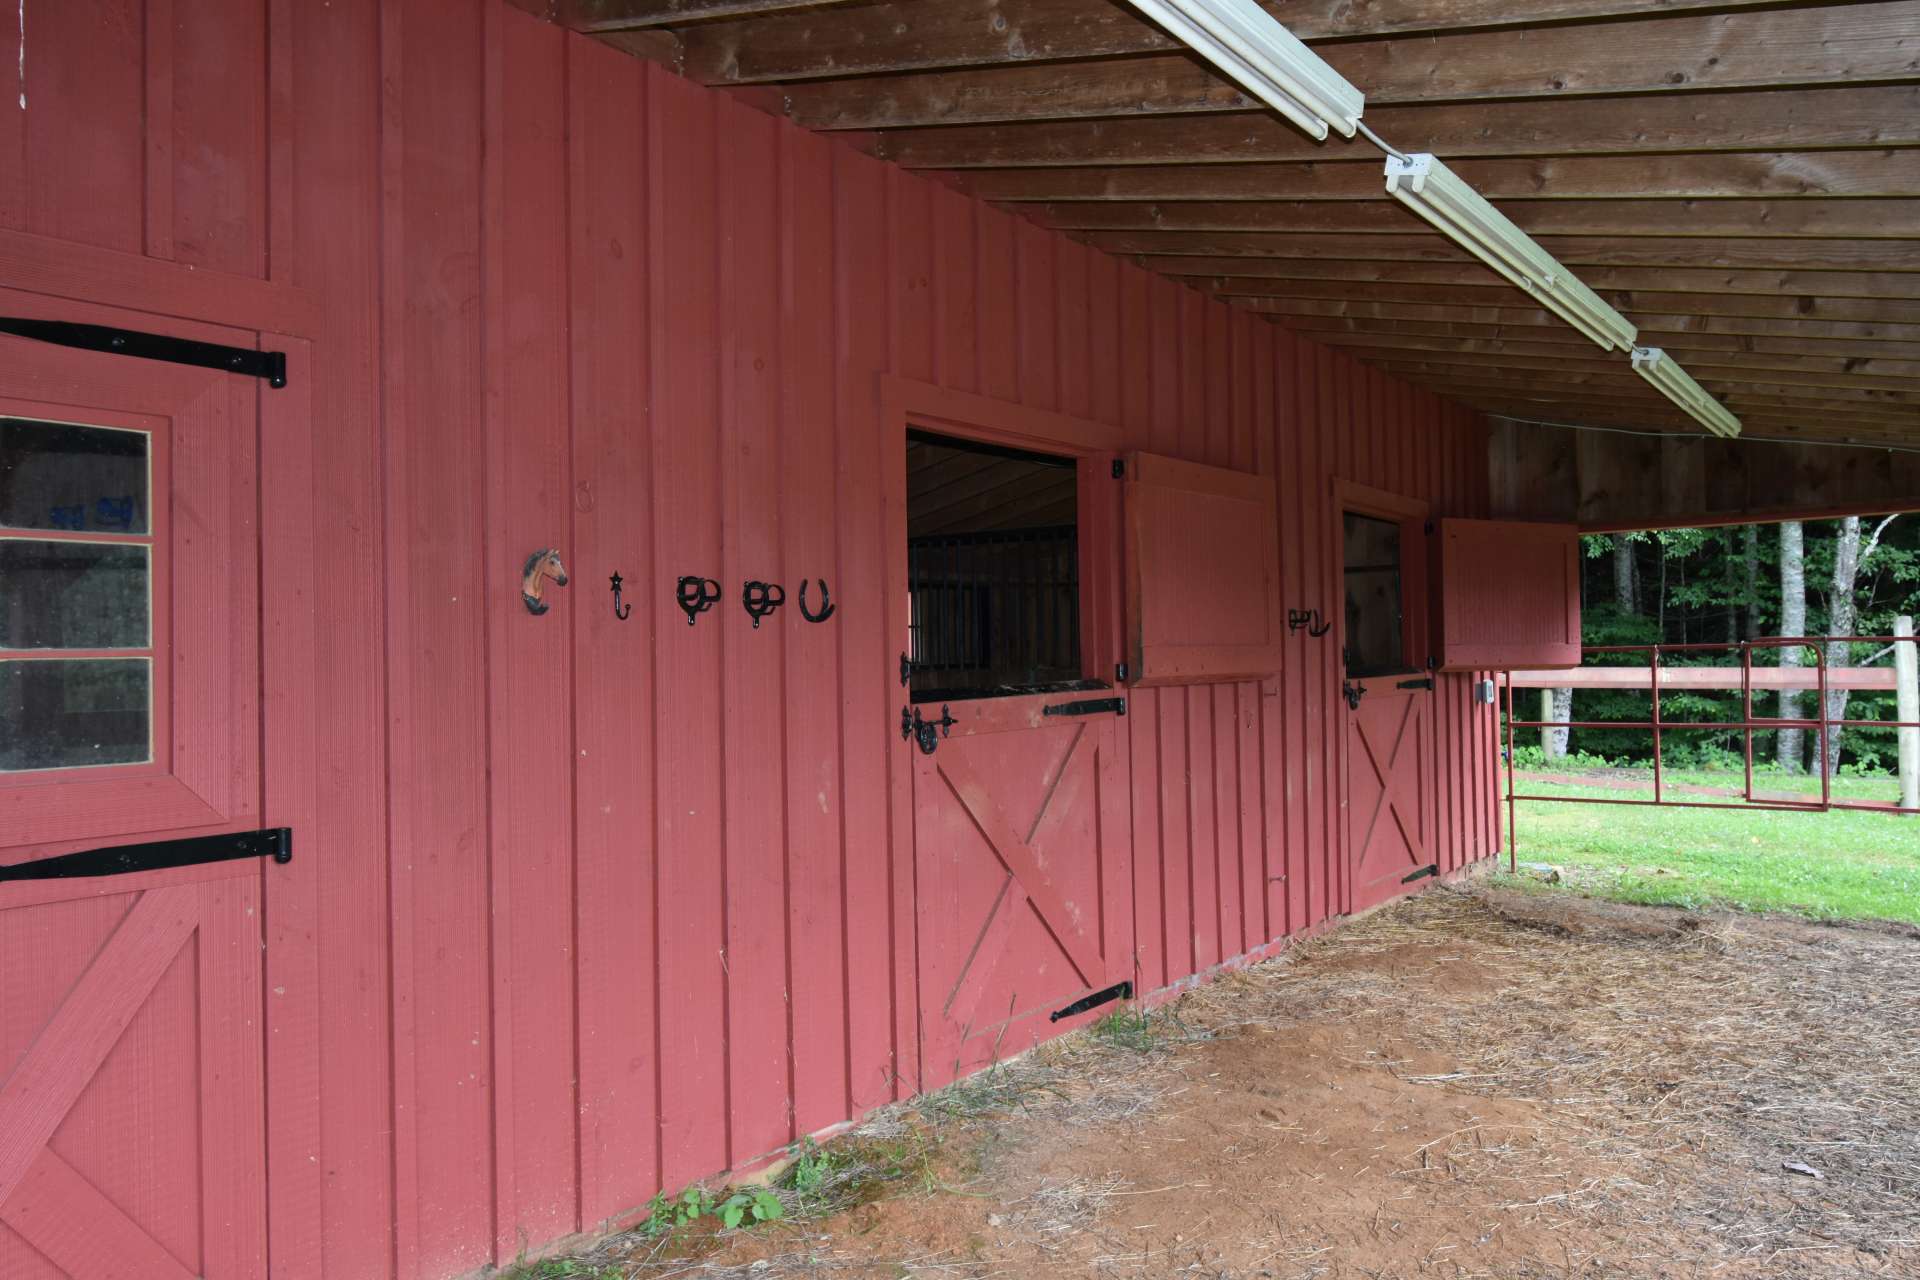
614,799
1509,594
602,906
683,149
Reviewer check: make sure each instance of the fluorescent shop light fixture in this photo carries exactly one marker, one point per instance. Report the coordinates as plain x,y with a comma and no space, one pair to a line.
1677,385
1264,58
1437,194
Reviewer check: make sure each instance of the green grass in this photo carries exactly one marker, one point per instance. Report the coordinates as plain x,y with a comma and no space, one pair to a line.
1838,865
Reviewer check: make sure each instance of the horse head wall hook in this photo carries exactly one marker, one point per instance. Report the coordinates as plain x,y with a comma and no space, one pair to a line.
542,567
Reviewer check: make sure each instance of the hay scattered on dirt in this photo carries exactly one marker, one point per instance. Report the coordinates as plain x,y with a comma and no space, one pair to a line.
1731,1047
1467,1084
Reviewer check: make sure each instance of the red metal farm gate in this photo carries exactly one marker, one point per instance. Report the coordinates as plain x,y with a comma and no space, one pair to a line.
1815,676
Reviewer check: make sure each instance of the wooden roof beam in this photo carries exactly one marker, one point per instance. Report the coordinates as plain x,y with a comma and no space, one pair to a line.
1788,120
623,15
1827,284
1338,332
1771,174
1673,322
905,37
1609,250
1870,219
1763,48
1497,293
1836,370
1704,366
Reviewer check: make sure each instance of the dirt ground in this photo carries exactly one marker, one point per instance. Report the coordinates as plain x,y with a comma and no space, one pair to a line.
1471,1083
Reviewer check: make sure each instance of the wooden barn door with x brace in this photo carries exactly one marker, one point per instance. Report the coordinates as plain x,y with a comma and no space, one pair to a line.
132,1110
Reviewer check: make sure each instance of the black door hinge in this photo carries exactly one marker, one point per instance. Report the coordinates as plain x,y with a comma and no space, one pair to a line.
1119,673
1426,682
1431,869
158,855
271,365
1119,469
906,670
1118,991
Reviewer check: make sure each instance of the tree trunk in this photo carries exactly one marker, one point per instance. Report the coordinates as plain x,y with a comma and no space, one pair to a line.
1556,707
1793,622
1626,584
1750,555
1840,612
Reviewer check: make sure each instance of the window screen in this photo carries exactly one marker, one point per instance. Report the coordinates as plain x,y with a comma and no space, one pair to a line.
1375,630
993,568
76,581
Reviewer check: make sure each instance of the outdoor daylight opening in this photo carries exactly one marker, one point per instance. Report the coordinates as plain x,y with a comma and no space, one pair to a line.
993,573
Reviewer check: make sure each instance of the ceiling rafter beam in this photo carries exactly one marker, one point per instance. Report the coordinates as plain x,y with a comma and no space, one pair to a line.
901,37
1796,120
1500,294
1864,219
1774,175
1696,251
1334,330
1675,322
1828,284
1764,48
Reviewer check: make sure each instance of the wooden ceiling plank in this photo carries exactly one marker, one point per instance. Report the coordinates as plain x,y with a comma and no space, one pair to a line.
1724,175
1705,367
1887,373
1890,406
622,15
1787,120
1764,48
1670,322
1872,219
1832,284
1676,251
1497,293
904,37
1334,330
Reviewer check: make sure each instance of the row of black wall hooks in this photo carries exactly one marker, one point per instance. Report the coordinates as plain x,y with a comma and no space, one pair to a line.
693,593
696,595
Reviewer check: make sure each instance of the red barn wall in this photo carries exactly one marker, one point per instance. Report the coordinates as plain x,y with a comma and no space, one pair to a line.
585,908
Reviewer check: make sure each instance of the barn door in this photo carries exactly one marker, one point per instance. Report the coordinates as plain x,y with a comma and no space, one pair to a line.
1022,857
1386,700
131,1093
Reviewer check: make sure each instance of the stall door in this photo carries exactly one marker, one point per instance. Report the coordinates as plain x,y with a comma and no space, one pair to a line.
1022,861
1387,703
131,1092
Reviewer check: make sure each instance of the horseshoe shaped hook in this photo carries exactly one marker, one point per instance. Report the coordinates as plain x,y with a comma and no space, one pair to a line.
826,602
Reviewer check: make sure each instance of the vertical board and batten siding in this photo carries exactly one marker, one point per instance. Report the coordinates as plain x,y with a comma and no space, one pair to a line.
585,907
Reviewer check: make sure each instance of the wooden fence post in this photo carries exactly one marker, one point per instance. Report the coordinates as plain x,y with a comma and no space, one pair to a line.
1906,683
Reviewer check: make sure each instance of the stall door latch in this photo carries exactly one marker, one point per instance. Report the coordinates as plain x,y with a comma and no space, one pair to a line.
1352,693
926,732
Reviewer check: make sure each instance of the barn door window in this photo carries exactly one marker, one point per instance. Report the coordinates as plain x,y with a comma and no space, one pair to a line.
76,596
993,560
1376,604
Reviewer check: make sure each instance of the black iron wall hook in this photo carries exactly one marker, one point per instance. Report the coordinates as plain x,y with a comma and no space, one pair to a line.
697,595
1310,619
761,598
620,611
826,602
